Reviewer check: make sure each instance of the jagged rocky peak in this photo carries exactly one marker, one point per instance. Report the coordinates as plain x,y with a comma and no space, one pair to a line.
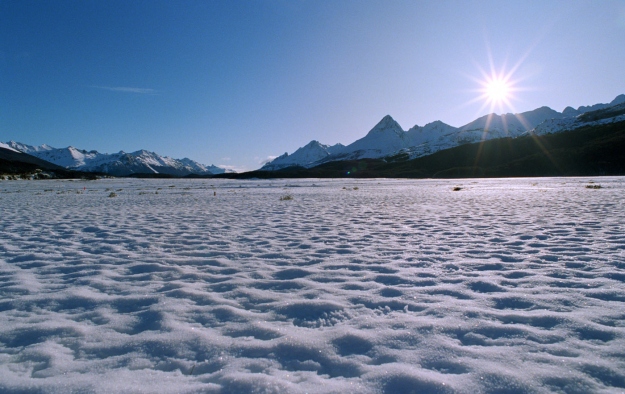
570,111
620,99
387,124
143,152
436,125
314,144
310,153
336,148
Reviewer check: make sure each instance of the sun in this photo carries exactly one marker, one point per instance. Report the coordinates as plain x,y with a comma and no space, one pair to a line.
497,87
497,90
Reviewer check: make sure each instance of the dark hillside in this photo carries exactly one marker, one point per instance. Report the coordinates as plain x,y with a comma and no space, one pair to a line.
598,150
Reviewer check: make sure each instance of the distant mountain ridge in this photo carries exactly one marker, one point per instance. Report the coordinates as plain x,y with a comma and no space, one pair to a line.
116,164
387,139
312,152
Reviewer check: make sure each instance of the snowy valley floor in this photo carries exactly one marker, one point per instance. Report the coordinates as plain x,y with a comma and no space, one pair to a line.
372,286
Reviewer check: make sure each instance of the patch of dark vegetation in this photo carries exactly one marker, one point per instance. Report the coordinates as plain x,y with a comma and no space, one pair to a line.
398,158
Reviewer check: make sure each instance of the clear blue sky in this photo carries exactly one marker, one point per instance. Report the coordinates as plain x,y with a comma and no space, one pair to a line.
233,82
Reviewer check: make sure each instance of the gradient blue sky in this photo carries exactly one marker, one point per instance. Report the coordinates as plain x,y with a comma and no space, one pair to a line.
233,82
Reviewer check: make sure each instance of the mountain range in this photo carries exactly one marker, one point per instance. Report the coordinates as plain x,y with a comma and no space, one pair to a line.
387,139
116,164
385,143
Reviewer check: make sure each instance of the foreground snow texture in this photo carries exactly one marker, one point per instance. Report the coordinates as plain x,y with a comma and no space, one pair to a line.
378,286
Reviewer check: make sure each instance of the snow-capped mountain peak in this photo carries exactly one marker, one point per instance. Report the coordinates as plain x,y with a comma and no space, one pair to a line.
433,127
314,144
304,156
385,126
28,148
383,139
437,124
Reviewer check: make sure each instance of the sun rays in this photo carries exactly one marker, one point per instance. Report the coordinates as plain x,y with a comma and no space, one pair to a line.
497,89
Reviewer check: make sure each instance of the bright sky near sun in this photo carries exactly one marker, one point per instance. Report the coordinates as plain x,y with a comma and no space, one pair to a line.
233,82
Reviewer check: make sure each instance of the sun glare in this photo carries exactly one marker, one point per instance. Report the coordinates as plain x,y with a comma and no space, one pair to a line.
497,90
497,86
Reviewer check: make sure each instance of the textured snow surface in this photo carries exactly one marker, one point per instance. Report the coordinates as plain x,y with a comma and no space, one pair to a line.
377,286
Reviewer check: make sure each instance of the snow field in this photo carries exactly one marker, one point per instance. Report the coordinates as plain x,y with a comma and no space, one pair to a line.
368,286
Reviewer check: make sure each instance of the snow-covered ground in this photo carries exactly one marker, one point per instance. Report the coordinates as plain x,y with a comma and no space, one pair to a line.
372,286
